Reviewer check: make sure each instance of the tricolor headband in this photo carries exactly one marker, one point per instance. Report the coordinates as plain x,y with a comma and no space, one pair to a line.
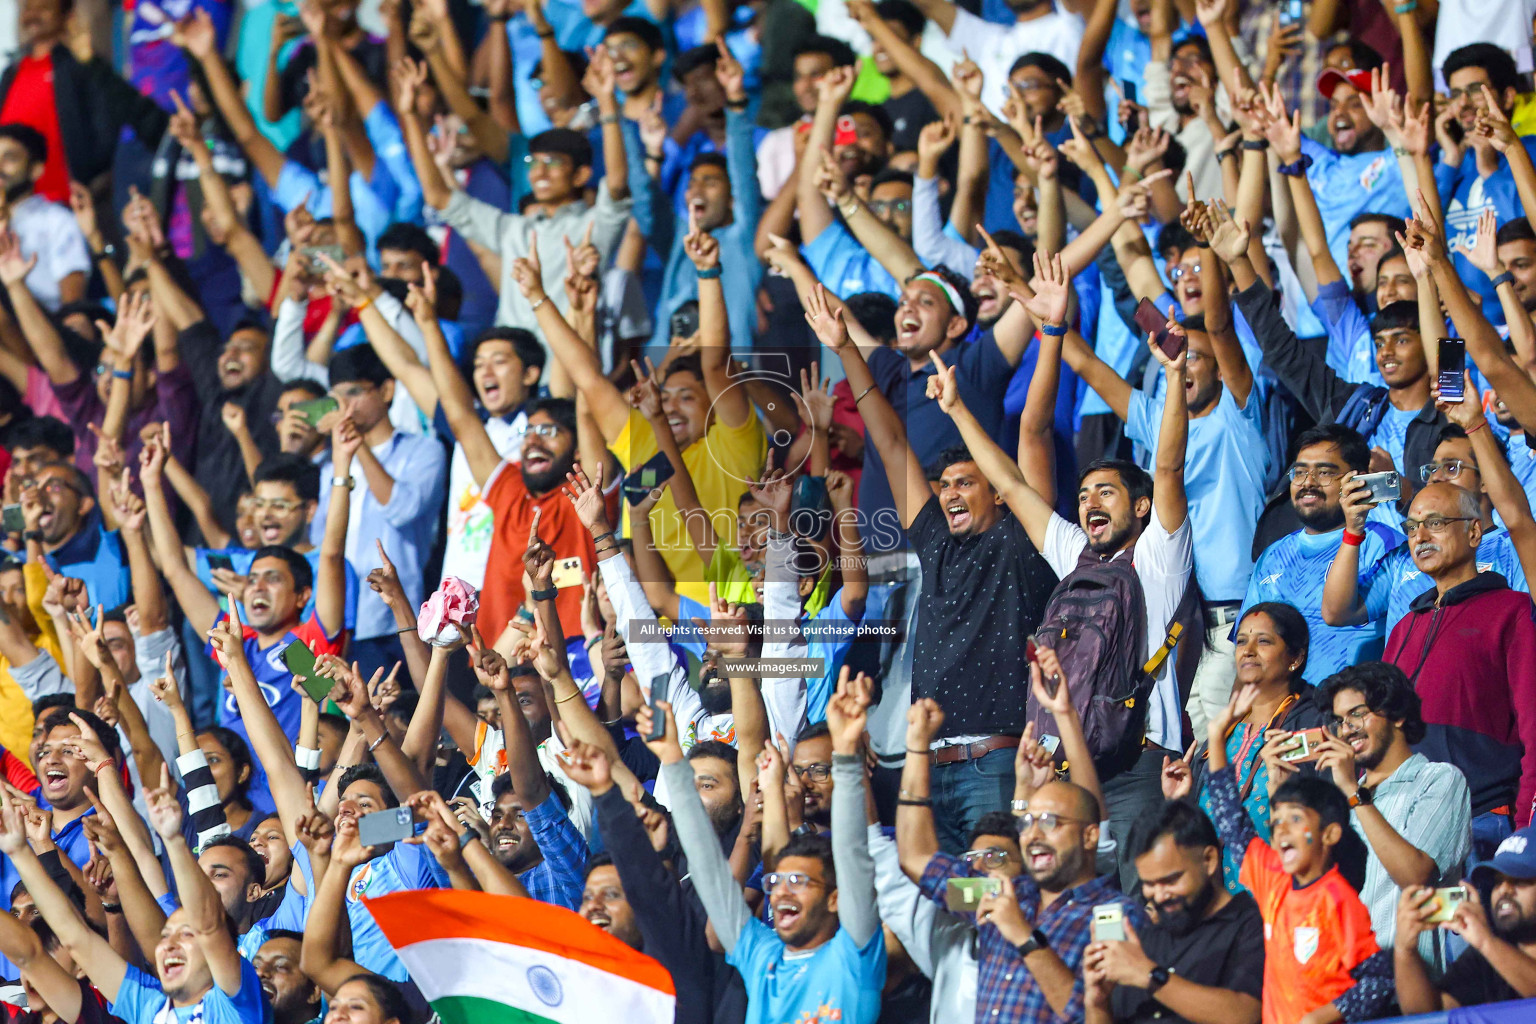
944,286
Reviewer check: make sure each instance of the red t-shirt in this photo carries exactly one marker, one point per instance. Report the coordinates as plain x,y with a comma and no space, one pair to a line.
30,102
559,527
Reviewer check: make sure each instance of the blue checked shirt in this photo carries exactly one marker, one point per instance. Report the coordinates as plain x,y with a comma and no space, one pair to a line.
1006,991
557,878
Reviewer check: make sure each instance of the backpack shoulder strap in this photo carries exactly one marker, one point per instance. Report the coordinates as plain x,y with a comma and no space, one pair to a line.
1175,630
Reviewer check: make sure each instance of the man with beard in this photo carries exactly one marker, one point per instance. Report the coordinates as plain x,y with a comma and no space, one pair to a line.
1202,962
45,229
237,873
812,764
962,532
1413,813
1479,698
58,506
720,198
293,996
1039,25
1294,569
1174,78
1033,933
531,834
1501,963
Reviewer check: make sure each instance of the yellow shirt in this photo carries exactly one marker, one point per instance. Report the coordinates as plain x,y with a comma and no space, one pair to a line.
720,464
15,708
1523,118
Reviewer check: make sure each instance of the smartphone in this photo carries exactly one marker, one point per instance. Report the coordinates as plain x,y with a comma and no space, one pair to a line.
221,562
1303,745
1050,743
567,573
1385,488
1108,923
1453,364
1128,90
1152,321
384,827
315,409
645,478
810,510
658,717
313,253
301,662
847,133
14,521
1291,13
1446,901
964,895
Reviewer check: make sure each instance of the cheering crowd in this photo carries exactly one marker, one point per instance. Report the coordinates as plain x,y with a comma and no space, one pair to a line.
1017,511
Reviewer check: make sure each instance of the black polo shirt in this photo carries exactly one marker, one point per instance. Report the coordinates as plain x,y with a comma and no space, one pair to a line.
1225,951
983,596
1472,981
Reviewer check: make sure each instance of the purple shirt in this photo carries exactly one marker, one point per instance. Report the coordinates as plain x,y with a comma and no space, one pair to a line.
175,403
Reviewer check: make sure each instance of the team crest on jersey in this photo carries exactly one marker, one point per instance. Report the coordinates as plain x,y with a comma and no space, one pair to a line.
1373,172
359,884
1304,943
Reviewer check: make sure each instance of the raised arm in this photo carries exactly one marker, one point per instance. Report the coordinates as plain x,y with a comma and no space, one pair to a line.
1168,495
729,404
831,91
846,717
885,245
197,603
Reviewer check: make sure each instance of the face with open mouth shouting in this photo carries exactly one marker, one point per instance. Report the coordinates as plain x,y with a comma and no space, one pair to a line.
243,359
56,502
280,514
709,196
634,61
62,775
272,847
925,320
292,995
511,840
970,504
1348,125
272,599
804,912
1297,834
502,380
604,904
685,401
549,449
1059,841
1106,512
179,961
1369,241
992,299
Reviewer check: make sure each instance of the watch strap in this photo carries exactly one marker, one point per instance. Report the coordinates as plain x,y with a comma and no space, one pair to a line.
1158,977
1362,798
548,594
1035,943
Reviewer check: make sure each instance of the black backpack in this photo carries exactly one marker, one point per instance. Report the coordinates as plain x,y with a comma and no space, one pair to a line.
1096,622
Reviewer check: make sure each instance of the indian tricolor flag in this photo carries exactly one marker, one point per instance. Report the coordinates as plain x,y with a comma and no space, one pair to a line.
485,959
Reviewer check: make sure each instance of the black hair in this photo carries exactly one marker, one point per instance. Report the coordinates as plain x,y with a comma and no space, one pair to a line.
711,160
561,410
43,432
295,470
1199,42
1393,224
77,476
283,933
1174,235
358,363
1350,442
841,53
889,175
1327,801
1387,692
814,731
1363,54
404,706
404,237
1007,238
240,754
1396,316
369,772
44,933
969,306
1294,633
314,389
646,31
818,846
48,702
692,363
994,823
1517,230
28,138
1175,157
450,293
255,867
59,716
575,58
563,142
601,859
903,13
876,311
1135,479
880,115
716,749
392,1005
1052,66
1500,66
298,565
524,345
691,60
92,311
1181,820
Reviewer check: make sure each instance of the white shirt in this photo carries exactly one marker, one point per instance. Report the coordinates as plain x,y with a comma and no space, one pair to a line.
776,160
470,522
1163,563
1504,23
489,759
995,47
49,231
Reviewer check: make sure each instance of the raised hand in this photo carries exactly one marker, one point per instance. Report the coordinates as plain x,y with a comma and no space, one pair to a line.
831,182
833,87
967,77
825,319
1229,236
667,749
195,34
924,720
1051,285
538,557
933,141
819,402
729,73
1483,253
847,712
728,626
421,299
1146,147
703,248
942,385
588,766
165,814
14,268
1492,125
528,272
1178,775
586,496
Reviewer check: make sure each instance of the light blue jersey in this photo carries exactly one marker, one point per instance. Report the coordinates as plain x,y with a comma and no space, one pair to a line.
140,1000
836,981
402,868
1391,586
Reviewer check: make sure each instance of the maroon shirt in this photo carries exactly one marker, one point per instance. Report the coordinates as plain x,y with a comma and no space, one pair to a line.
175,403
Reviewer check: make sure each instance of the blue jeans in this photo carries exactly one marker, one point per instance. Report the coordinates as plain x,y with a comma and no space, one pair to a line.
962,792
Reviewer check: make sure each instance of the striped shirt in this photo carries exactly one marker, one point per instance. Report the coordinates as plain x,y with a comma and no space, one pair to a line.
1429,805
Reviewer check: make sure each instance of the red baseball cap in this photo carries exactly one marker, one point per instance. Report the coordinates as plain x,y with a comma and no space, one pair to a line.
1329,79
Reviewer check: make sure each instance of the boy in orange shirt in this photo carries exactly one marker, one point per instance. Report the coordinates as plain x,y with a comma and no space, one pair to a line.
1321,961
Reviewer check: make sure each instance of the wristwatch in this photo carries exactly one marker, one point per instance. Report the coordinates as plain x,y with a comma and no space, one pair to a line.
1362,798
1157,978
1036,942
343,481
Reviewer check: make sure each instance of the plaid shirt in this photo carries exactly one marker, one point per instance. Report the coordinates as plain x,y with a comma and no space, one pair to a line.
557,878
1006,991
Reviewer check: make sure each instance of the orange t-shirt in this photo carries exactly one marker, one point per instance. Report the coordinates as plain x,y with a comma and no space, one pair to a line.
512,506
1313,937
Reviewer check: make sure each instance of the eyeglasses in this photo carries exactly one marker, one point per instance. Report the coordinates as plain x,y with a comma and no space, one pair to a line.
818,772
796,881
543,159
1354,718
1322,474
52,485
1047,820
351,392
282,506
1179,271
988,857
544,430
1474,92
1031,84
1435,524
1452,468
883,206
624,44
